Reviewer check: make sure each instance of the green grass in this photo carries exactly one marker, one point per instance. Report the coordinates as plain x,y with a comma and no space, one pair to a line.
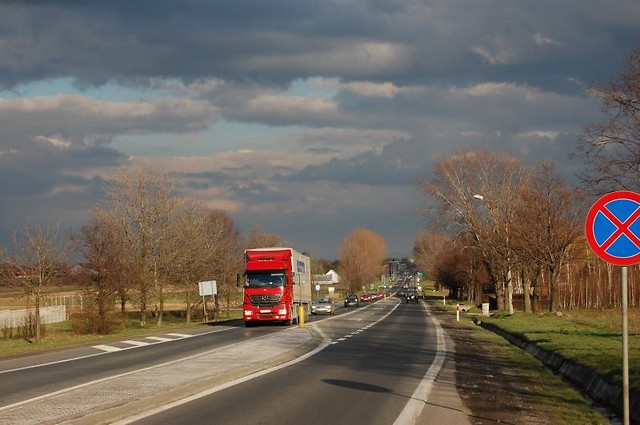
590,338
546,390
585,339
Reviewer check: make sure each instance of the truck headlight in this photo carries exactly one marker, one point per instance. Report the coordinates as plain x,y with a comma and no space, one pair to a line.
248,312
282,311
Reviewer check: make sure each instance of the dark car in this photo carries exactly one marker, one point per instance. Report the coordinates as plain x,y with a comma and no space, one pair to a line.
351,300
411,296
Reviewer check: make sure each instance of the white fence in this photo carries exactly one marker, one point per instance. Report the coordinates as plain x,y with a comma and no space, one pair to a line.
17,318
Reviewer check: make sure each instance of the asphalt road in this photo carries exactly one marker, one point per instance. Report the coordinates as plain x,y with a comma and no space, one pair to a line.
366,375
369,366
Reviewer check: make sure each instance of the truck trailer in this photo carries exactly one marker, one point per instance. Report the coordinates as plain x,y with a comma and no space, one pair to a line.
277,285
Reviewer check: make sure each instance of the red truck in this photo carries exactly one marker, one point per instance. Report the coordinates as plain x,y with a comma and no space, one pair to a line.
277,285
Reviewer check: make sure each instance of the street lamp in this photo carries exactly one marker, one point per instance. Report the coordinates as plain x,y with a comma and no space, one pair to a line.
509,279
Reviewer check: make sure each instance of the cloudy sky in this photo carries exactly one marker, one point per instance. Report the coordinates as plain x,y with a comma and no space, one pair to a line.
307,118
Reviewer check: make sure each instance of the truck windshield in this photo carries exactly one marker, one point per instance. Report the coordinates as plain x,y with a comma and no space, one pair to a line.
265,279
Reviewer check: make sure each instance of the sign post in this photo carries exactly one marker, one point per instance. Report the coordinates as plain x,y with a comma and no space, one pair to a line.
612,229
207,287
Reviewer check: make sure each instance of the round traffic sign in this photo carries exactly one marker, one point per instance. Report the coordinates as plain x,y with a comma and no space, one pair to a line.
613,228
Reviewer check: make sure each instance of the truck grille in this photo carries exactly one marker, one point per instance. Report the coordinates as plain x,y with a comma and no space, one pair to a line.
265,300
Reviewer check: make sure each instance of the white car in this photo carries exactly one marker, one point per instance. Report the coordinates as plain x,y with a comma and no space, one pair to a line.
323,306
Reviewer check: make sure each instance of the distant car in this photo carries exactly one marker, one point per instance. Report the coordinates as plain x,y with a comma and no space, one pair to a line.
411,296
323,306
380,295
351,300
402,293
365,297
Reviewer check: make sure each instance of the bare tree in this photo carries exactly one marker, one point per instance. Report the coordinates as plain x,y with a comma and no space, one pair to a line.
611,149
550,218
38,260
105,270
425,249
224,245
259,239
361,258
475,192
141,204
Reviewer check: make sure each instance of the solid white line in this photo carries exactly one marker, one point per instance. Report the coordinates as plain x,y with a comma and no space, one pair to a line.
159,409
418,399
213,390
108,378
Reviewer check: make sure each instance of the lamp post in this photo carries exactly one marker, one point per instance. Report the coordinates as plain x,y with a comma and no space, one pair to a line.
508,277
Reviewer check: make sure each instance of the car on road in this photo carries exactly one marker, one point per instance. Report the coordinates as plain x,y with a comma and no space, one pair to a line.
323,306
411,296
351,300
365,297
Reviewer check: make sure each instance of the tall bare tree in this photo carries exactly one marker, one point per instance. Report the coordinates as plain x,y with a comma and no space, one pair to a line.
611,148
142,204
38,260
425,249
550,218
224,245
474,192
362,256
105,271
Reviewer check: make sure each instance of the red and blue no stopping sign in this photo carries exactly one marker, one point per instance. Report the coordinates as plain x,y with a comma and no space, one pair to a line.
613,228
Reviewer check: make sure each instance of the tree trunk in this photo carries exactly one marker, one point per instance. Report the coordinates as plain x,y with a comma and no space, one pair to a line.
526,289
554,296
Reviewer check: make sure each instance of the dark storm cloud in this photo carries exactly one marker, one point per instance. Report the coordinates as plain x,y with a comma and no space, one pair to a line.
36,170
277,41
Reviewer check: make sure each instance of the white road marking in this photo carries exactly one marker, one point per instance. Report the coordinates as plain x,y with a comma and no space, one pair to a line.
107,348
180,335
418,399
159,338
136,343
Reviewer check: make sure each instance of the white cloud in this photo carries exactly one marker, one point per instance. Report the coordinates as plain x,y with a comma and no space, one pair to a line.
369,89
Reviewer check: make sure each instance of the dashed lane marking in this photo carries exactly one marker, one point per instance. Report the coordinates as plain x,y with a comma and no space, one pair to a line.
159,338
108,348
137,343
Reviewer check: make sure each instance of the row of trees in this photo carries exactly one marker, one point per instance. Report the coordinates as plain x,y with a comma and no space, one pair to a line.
508,226
510,222
140,240
143,240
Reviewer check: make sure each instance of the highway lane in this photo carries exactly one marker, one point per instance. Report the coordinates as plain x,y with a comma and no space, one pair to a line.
367,374
28,377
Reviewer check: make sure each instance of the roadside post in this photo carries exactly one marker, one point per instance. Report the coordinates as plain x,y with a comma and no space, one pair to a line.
457,312
610,230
